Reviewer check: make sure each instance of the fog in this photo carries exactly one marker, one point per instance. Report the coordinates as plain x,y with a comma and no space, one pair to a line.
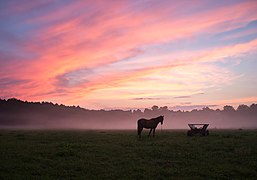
25,115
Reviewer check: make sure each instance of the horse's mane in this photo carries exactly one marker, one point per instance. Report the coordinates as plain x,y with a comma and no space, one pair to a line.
156,118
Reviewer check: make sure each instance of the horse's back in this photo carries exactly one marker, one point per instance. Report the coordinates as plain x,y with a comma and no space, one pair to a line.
145,123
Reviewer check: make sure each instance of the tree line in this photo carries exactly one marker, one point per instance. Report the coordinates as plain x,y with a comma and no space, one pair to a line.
24,114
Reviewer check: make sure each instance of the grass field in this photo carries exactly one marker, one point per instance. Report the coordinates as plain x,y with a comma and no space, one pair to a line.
230,154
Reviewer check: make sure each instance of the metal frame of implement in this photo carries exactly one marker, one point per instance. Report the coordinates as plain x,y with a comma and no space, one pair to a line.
195,130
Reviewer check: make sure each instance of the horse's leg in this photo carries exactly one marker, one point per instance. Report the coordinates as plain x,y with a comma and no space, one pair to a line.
150,132
153,132
139,130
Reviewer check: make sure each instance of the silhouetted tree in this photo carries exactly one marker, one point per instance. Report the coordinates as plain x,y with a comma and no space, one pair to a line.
253,108
206,109
147,112
137,112
228,108
164,109
243,108
155,108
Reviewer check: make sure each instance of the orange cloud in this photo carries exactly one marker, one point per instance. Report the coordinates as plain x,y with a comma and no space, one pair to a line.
68,43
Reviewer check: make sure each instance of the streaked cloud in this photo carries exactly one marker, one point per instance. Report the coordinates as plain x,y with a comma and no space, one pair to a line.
182,97
99,53
191,107
146,98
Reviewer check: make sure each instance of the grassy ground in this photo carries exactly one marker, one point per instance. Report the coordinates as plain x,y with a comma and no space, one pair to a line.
120,155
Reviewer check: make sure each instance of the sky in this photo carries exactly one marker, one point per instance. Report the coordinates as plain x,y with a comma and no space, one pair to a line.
117,54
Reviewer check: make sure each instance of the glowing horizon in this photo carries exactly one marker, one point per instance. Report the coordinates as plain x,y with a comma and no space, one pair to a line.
129,54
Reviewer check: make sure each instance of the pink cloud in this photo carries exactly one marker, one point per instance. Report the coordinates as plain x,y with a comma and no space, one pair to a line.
69,43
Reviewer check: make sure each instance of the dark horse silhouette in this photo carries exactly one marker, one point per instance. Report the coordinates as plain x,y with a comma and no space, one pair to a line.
148,124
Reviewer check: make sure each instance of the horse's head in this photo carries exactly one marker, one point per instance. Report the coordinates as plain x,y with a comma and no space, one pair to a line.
161,119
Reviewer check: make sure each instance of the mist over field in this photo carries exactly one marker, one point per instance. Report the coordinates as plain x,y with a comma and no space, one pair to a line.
28,115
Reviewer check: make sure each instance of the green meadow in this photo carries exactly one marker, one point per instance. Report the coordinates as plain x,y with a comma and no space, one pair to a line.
106,154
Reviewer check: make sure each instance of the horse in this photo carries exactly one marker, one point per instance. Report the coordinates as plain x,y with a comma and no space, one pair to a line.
148,124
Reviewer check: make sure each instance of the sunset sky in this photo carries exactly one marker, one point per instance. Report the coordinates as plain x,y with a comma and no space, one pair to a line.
129,54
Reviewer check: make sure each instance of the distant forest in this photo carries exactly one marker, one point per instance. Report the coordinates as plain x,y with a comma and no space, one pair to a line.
15,113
